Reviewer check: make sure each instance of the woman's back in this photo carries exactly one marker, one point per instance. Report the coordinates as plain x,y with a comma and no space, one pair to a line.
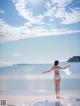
56,69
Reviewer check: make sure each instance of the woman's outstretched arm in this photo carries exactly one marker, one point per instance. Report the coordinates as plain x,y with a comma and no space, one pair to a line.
64,67
48,70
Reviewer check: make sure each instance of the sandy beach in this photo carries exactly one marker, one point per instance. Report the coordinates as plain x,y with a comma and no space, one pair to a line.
70,99
20,88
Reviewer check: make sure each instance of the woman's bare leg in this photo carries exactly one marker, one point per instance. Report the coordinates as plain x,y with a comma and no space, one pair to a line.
56,87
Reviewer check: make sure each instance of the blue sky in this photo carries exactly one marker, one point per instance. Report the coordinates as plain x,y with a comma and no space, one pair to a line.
39,31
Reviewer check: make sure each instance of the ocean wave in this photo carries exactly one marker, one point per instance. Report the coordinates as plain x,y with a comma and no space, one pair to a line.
39,76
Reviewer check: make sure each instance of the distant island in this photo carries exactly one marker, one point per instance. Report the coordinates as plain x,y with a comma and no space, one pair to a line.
74,59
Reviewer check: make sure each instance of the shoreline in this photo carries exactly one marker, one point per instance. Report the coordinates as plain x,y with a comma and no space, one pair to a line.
70,97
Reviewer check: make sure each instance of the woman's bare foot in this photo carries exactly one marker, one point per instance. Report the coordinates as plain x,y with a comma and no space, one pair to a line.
58,97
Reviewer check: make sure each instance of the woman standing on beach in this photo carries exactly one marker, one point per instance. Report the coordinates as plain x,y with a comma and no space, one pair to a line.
57,79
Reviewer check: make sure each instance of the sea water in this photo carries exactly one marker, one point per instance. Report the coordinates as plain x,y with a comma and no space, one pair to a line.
28,79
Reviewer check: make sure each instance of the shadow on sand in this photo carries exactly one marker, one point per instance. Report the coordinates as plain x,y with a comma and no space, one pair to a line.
48,103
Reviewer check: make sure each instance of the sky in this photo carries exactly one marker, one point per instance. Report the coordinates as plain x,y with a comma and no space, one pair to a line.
39,31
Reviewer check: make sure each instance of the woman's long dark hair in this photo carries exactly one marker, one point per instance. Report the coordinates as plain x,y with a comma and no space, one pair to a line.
56,62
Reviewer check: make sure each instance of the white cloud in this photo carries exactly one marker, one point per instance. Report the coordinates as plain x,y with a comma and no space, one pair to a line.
48,5
26,13
72,17
50,12
10,33
20,7
61,3
55,9
58,11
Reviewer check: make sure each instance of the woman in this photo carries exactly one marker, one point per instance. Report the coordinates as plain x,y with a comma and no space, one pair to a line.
57,79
